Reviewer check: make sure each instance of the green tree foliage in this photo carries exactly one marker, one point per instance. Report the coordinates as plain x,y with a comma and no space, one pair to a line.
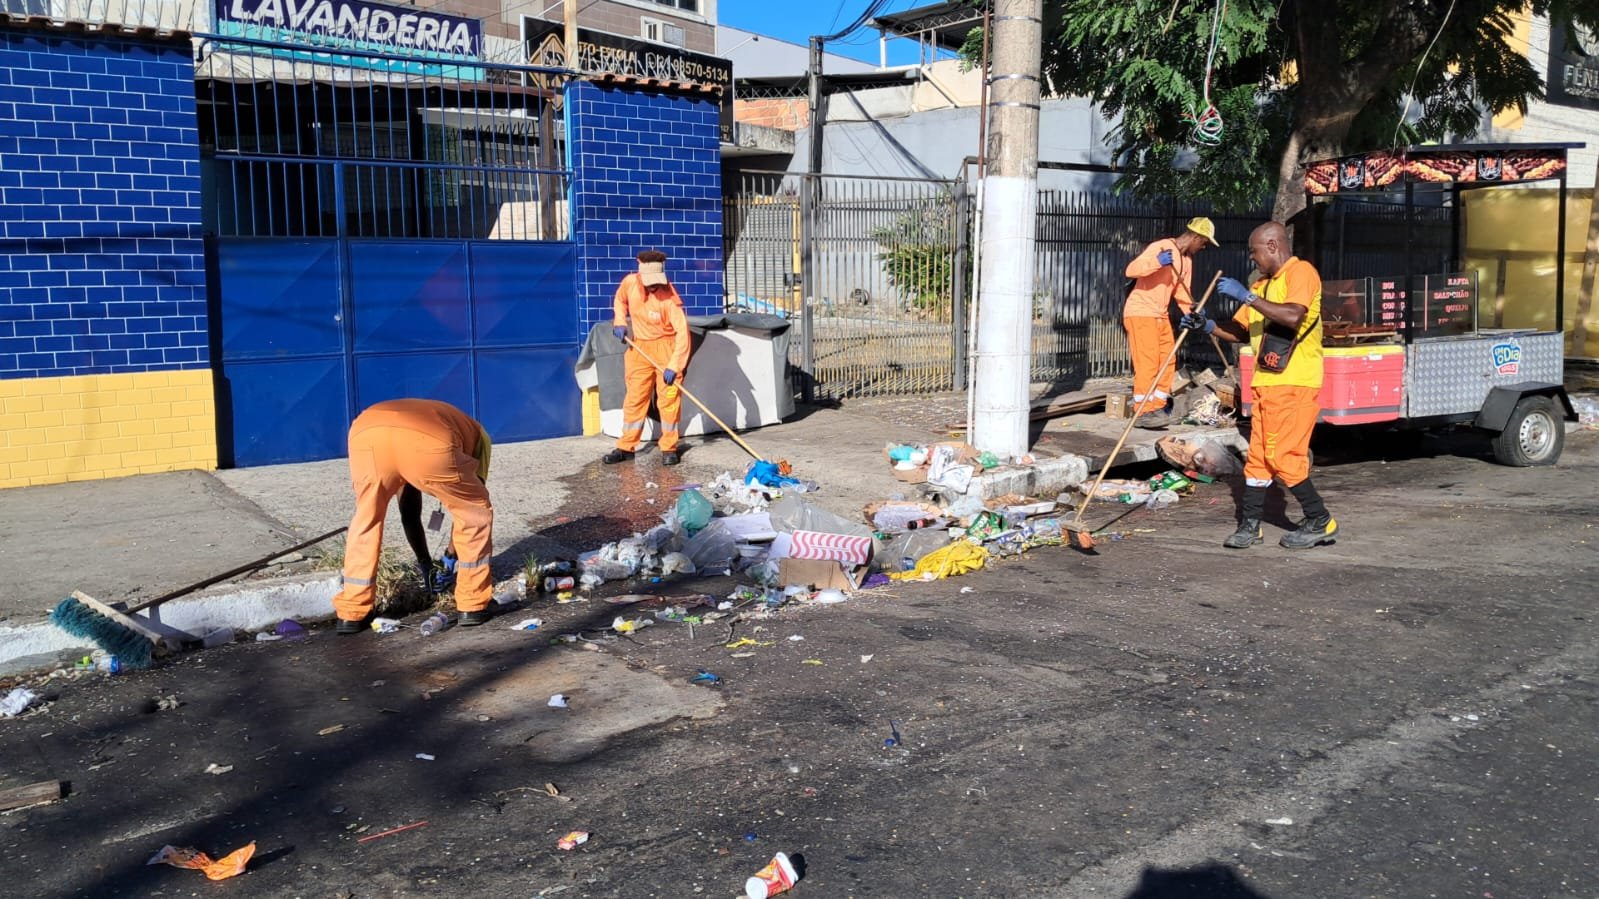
918,255
1293,80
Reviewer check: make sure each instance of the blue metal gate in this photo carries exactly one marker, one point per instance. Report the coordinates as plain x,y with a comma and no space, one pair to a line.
382,227
312,331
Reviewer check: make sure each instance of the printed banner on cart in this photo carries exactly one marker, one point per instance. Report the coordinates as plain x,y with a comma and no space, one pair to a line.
1370,171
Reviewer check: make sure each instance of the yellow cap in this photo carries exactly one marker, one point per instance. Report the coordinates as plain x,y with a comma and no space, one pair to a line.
1205,228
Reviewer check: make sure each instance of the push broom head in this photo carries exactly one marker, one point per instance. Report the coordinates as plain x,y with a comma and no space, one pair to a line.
132,649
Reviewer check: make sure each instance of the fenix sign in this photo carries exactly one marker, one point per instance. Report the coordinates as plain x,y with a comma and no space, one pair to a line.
353,24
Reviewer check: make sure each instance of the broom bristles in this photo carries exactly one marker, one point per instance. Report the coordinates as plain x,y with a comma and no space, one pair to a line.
131,648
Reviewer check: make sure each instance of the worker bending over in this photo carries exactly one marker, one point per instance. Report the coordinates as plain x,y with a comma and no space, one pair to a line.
1281,319
410,447
1163,277
656,356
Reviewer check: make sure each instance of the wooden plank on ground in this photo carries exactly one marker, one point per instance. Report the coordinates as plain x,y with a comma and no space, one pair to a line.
32,794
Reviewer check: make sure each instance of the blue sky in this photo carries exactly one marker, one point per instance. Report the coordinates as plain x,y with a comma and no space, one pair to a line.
797,21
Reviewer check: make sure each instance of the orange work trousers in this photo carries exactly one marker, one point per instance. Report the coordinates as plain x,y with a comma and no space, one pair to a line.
1279,435
385,455
1149,342
643,379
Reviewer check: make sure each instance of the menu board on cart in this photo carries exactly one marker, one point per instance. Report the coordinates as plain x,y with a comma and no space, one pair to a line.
1448,304
1387,303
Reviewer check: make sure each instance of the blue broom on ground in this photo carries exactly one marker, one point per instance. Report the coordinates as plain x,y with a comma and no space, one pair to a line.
128,638
78,616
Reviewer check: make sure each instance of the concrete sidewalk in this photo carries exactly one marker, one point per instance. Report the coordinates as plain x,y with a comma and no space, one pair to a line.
138,537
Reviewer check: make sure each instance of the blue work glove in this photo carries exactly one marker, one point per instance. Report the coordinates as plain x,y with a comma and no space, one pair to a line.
1163,257
1198,321
1234,289
620,332
669,376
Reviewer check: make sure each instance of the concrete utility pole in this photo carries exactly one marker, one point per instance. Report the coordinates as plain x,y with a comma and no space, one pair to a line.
1010,188
569,32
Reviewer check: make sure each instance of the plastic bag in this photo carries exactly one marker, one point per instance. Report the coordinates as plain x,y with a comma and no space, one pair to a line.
911,545
956,558
1161,499
677,563
712,548
1216,460
693,510
791,514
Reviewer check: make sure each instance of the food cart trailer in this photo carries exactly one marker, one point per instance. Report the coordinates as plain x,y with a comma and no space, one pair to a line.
1410,349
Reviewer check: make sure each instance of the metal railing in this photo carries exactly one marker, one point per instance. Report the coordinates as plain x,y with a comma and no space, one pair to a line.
299,141
885,278
886,312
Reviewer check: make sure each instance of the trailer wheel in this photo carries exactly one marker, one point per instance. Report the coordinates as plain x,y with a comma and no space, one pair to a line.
1534,435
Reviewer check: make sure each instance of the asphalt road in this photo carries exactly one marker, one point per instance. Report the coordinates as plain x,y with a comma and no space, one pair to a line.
1412,712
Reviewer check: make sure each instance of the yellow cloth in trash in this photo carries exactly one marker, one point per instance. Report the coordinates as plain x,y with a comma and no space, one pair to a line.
957,558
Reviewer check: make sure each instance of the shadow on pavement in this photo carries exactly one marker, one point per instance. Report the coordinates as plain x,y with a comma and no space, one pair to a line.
1212,881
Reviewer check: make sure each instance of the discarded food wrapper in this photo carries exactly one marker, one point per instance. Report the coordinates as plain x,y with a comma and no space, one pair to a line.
778,876
630,625
214,768
425,756
227,866
558,701
705,677
528,624
572,840
386,625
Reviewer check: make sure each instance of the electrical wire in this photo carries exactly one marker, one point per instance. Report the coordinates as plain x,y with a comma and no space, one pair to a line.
1410,93
871,11
1208,125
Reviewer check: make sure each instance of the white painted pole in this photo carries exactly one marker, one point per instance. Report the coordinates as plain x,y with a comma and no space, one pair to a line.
1010,186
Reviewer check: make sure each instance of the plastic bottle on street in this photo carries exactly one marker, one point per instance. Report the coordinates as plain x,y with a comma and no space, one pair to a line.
434,623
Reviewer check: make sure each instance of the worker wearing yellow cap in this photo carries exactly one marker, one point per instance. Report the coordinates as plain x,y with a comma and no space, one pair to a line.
1162,277
649,316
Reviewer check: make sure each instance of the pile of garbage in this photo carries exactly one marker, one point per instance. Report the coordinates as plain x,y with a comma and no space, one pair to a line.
950,464
791,549
1211,400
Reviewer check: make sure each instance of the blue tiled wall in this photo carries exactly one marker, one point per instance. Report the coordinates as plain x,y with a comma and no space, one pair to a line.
646,174
102,264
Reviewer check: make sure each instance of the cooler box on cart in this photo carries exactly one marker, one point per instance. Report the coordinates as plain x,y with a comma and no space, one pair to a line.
1360,384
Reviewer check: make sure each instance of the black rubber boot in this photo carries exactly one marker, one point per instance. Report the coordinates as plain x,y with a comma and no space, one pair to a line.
615,456
477,617
1249,515
1318,527
346,628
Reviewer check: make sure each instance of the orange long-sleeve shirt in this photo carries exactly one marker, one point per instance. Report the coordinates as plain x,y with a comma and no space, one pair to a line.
1154,284
653,317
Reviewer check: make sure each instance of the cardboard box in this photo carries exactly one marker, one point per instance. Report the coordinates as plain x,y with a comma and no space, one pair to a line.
1118,405
818,574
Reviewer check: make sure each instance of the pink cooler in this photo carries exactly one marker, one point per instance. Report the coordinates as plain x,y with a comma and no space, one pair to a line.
1360,385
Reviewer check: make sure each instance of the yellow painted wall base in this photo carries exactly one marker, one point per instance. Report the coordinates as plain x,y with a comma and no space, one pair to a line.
101,426
591,411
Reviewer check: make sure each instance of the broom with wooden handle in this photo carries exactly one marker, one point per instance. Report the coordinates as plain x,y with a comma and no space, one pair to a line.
130,639
782,465
1078,536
